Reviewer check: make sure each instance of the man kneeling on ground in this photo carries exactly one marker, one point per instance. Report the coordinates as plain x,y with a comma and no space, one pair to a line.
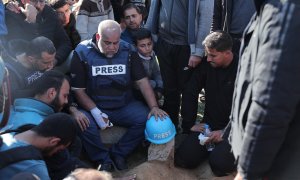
216,75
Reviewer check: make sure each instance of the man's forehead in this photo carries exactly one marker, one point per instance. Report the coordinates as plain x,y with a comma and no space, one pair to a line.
65,86
212,50
46,55
63,8
130,11
111,35
108,31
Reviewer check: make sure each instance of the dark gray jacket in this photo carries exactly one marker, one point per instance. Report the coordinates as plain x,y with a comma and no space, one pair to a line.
170,19
265,115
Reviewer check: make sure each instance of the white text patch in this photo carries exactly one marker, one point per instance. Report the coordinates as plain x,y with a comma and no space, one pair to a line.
109,69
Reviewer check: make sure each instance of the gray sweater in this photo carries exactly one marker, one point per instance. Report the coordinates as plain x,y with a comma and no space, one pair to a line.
170,19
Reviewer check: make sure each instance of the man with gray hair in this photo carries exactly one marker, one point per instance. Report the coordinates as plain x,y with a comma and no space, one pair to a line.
102,73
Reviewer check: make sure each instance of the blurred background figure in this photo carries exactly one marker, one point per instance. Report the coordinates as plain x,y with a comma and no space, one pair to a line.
67,19
29,19
90,14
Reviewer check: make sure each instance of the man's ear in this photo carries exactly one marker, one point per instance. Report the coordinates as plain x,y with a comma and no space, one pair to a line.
51,93
227,52
97,37
53,141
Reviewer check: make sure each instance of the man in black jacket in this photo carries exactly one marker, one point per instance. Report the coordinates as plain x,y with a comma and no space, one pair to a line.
266,113
216,74
67,19
34,19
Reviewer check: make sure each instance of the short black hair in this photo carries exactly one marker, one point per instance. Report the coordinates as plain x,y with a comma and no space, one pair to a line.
17,46
140,34
38,45
218,40
50,79
130,6
60,125
55,4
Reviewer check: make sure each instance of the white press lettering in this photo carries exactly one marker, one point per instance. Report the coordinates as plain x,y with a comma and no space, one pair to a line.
116,69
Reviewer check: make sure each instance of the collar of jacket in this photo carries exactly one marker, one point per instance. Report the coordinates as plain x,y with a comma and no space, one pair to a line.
258,5
34,105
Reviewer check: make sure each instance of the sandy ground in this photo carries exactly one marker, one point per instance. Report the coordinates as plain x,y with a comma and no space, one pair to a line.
165,170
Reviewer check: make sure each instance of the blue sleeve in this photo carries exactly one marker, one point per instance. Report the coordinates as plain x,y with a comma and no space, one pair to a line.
3,29
39,169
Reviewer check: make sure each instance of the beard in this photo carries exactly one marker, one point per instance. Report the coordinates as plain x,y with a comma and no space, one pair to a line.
57,106
48,151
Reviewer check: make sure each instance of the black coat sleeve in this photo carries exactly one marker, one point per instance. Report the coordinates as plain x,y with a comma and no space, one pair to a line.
217,16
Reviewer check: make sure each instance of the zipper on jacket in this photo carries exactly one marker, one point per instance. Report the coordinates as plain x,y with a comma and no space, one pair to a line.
171,13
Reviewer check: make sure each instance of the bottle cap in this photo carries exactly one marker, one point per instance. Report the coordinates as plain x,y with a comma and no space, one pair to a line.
206,126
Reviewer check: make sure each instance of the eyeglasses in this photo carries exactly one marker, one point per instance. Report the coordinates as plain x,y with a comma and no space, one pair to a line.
38,1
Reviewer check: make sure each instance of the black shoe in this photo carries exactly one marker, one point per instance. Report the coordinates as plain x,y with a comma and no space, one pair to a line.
106,167
119,162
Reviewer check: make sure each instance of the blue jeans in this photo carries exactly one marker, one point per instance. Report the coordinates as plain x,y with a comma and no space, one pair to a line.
132,116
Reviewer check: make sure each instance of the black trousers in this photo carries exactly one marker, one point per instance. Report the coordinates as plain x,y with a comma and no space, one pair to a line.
173,62
189,105
190,154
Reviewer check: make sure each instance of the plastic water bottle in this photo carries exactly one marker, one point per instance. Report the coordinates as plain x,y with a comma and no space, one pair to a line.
209,146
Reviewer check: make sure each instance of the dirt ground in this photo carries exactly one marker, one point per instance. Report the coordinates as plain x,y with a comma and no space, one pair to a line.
165,170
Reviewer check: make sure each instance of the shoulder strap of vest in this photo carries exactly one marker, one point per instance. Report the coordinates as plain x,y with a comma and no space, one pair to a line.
18,154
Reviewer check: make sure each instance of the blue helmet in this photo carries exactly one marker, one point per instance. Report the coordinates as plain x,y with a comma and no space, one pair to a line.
159,131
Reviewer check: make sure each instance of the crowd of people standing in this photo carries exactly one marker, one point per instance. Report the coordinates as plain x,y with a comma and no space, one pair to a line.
111,63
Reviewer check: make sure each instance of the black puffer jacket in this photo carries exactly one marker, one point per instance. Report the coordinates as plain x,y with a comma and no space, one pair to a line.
222,15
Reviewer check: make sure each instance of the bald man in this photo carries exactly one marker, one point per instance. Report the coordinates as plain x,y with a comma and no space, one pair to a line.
102,73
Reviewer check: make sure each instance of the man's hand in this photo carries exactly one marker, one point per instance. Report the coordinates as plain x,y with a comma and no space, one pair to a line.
80,118
13,6
157,112
101,118
215,136
30,12
198,128
238,176
194,61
